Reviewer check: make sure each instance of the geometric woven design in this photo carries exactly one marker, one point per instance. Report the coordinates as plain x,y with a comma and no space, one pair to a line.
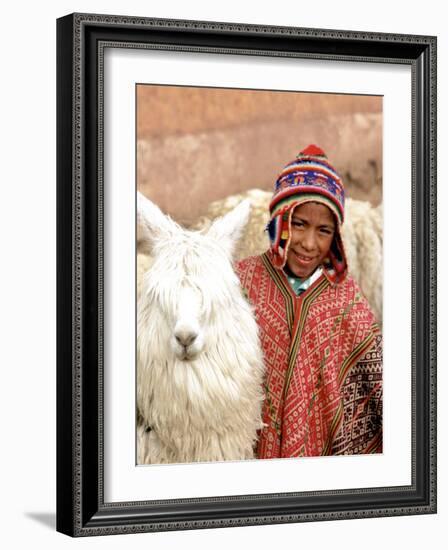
323,357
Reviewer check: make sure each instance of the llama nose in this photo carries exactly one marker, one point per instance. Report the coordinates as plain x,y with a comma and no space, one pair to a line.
185,337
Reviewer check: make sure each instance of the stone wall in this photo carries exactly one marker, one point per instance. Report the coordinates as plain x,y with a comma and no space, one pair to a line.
197,145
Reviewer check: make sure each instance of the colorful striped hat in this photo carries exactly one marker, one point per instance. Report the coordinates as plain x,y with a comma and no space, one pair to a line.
308,178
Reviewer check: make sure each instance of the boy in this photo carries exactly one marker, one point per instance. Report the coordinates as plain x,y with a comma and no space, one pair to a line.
322,346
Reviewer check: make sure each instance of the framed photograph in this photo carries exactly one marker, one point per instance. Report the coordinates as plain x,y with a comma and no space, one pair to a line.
179,147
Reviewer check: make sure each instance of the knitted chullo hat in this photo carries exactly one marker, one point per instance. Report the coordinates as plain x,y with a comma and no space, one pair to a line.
308,178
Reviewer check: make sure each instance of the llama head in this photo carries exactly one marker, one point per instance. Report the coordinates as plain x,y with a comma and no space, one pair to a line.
190,280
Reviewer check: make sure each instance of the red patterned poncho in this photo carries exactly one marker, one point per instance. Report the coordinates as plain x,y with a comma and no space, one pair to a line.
323,357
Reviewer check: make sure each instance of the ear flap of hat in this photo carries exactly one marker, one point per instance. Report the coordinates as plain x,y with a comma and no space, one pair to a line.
279,228
337,267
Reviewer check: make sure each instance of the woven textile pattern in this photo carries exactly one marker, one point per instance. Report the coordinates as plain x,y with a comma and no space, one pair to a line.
324,365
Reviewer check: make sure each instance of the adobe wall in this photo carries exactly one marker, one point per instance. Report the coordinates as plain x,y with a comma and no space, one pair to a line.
196,145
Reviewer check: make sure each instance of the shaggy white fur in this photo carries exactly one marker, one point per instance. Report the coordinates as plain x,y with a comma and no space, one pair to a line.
362,235
199,362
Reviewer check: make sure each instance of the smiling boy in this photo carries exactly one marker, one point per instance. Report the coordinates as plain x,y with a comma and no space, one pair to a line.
322,346
312,230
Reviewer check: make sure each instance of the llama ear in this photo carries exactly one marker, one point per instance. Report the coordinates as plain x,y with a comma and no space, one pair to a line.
229,228
152,223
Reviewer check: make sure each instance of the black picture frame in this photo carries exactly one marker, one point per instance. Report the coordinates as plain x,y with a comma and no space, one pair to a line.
81,510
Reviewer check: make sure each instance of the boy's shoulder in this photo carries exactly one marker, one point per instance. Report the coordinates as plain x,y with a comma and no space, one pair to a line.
247,263
352,291
247,268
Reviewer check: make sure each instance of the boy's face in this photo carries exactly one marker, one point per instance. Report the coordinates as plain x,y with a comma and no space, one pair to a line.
312,231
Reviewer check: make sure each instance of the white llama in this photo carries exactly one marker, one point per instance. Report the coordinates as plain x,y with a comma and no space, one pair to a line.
199,362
